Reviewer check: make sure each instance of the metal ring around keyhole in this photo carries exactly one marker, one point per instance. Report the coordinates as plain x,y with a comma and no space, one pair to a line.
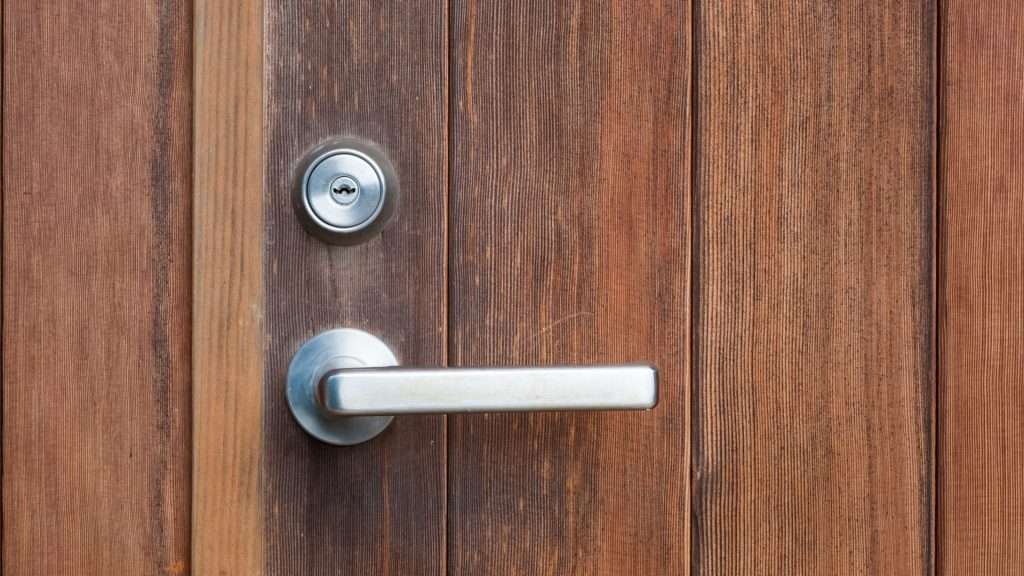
347,191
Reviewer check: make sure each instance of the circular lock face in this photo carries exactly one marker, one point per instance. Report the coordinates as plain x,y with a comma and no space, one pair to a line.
347,192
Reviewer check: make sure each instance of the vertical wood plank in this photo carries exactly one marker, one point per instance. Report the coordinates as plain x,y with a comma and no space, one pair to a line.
814,298
3,35
96,183
373,70
569,233
981,383
228,340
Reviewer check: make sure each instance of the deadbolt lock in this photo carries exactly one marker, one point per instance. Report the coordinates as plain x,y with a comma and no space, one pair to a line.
347,191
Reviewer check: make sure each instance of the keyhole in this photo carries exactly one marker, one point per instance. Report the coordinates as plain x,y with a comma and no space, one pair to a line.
344,190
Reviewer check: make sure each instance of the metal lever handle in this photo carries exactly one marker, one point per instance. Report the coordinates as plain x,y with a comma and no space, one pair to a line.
392,391
343,388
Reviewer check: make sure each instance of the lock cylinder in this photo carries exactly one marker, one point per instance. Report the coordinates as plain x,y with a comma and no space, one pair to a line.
347,191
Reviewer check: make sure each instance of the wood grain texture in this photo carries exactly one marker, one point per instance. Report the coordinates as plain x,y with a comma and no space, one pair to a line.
96,262
228,345
376,70
2,35
981,382
569,231
813,364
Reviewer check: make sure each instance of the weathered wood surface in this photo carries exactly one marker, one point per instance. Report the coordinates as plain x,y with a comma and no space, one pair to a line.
981,377
814,305
374,70
96,295
569,234
230,238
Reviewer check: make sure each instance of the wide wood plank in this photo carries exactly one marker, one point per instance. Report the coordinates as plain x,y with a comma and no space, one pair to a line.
981,384
96,268
569,235
813,360
374,70
228,346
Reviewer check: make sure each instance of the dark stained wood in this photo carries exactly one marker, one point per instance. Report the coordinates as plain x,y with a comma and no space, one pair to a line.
813,360
228,291
981,383
569,226
96,262
376,70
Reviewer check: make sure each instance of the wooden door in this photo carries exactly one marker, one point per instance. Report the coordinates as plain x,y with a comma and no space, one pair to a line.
802,214
489,262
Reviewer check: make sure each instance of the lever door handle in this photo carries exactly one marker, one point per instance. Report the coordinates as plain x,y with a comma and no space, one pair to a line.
392,391
344,388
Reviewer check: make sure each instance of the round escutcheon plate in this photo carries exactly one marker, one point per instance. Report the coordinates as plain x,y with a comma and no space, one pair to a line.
326,352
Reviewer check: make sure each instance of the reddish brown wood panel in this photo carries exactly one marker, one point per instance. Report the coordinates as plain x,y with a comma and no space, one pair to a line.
96,263
375,70
814,304
569,226
981,383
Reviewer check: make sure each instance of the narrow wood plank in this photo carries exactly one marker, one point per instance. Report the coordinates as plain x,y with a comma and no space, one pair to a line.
569,236
814,299
2,177
981,384
228,343
3,35
96,171
375,70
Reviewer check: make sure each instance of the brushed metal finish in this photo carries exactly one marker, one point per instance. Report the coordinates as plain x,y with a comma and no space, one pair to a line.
344,388
392,391
347,191
320,356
